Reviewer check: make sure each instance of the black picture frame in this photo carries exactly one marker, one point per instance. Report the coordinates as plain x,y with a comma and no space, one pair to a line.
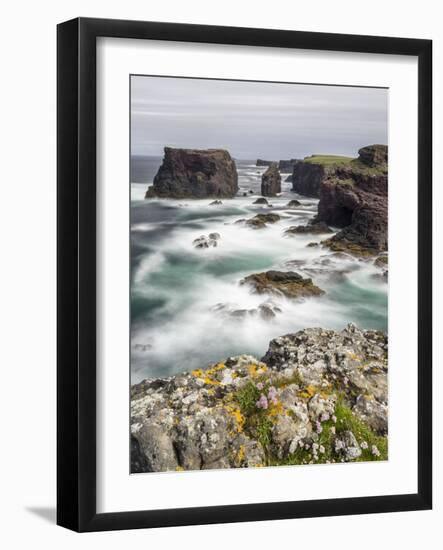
76,280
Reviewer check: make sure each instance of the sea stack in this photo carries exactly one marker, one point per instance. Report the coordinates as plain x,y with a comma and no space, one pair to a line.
271,181
195,173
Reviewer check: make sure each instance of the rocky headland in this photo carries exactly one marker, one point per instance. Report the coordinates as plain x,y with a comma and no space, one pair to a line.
317,396
195,173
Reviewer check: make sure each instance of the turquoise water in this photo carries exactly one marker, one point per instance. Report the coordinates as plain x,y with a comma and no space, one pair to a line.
180,295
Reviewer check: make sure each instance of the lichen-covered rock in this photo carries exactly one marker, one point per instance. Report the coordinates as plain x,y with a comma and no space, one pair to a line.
271,181
316,396
195,173
283,283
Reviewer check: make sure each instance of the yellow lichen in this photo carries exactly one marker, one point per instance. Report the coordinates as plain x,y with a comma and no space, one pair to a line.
255,370
179,469
237,416
197,372
308,392
275,409
241,453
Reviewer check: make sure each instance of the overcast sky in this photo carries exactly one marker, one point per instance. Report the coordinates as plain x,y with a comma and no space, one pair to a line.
254,119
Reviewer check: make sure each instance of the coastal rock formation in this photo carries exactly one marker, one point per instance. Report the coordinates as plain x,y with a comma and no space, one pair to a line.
207,241
358,203
374,155
307,177
260,220
195,173
271,182
308,174
266,311
261,162
317,396
311,228
260,200
282,283
287,165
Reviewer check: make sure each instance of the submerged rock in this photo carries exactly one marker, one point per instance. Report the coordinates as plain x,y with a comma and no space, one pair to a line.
195,173
213,203
306,401
260,220
207,241
260,200
286,283
266,311
271,181
316,227
293,203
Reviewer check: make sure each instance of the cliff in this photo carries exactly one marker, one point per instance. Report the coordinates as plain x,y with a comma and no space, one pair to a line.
317,396
195,173
355,198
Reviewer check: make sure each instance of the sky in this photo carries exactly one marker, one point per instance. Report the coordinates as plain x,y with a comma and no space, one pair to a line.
255,119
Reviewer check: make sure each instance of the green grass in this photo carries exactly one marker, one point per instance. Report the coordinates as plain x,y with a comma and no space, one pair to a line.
332,161
259,424
326,160
346,421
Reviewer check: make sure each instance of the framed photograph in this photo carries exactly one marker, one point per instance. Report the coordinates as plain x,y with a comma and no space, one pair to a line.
244,274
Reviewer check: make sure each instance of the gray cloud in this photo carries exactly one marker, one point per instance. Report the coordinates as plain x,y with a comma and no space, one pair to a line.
254,119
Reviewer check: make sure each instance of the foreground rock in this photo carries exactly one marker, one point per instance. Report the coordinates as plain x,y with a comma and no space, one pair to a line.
317,396
282,283
195,173
271,181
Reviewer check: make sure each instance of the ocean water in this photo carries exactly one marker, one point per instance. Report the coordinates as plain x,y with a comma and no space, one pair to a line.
180,295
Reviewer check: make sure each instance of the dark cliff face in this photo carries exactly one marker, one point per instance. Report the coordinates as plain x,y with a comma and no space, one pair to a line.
261,162
287,165
271,181
356,200
195,173
307,178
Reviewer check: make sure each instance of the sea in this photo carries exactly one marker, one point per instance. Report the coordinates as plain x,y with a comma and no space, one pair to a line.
180,295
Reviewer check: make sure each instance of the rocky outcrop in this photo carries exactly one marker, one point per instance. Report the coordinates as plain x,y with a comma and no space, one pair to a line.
282,283
271,181
260,221
195,173
317,396
260,200
358,203
261,162
374,155
307,177
309,174
311,228
207,241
